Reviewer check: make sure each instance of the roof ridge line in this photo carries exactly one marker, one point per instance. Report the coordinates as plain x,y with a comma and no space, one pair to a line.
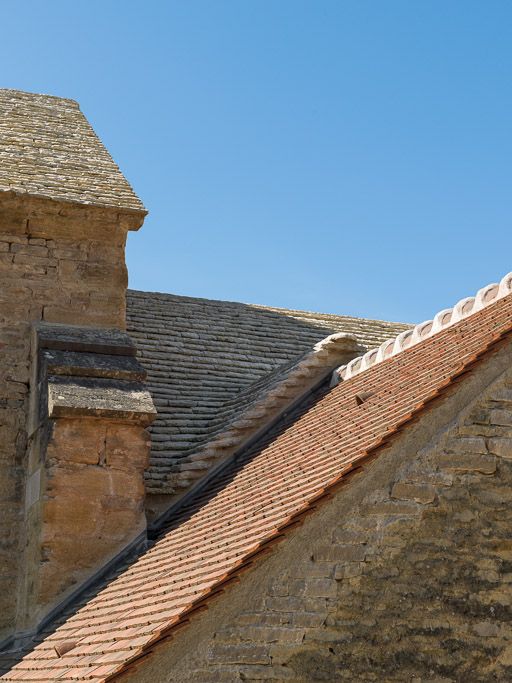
445,318
264,307
31,94
324,314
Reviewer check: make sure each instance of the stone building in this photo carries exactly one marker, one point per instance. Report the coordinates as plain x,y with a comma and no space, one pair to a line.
196,490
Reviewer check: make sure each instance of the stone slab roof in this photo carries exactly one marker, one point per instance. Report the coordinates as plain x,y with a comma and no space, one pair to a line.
48,149
209,361
257,499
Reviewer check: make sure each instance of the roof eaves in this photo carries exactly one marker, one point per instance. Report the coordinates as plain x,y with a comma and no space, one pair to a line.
86,203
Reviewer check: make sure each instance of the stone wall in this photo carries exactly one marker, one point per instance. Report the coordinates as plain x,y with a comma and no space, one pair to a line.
405,575
58,263
93,503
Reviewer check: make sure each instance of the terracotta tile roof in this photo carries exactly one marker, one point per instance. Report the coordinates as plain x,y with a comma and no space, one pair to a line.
210,361
48,149
249,506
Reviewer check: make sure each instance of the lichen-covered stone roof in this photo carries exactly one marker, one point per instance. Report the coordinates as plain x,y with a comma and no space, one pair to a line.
48,149
209,361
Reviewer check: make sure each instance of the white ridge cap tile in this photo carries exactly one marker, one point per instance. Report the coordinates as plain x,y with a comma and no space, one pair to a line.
443,319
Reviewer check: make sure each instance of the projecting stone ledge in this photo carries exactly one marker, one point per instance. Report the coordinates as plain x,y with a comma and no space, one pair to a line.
72,363
105,398
85,339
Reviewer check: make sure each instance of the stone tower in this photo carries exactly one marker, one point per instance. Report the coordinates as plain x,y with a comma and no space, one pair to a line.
73,411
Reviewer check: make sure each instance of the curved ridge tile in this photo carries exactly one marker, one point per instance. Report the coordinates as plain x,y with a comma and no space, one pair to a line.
443,319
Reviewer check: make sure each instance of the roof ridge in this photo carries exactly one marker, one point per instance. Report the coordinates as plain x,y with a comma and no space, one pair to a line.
264,307
327,315
27,93
428,328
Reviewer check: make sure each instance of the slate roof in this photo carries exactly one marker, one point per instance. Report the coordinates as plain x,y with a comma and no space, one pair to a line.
209,361
48,149
260,496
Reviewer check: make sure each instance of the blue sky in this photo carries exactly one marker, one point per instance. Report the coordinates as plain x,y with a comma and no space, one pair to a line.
347,157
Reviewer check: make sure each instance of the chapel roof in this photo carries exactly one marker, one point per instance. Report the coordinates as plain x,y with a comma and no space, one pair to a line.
48,149
264,493
209,362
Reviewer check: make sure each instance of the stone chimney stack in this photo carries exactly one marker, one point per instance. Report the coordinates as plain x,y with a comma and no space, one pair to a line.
73,409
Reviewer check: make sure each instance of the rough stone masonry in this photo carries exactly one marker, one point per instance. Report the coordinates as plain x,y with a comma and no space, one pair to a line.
65,211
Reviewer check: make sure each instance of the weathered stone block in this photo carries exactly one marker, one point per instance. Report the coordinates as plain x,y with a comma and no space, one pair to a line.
241,654
13,220
6,261
27,259
78,441
501,447
340,553
31,249
504,395
348,570
505,657
259,672
86,340
419,493
347,536
320,588
468,462
127,448
486,629
73,397
294,603
501,417
268,634
68,250
93,274
465,445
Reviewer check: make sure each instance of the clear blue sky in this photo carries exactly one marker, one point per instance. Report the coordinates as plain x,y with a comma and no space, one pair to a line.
349,157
